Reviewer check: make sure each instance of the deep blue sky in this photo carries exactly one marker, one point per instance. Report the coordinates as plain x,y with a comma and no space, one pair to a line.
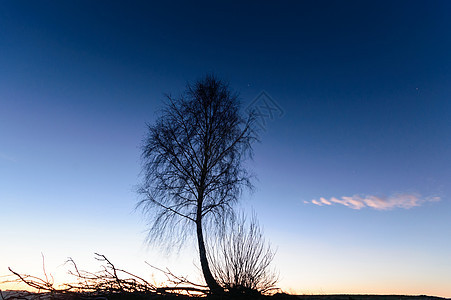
365,88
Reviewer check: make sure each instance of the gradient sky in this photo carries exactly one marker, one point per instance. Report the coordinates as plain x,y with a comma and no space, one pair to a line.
353,178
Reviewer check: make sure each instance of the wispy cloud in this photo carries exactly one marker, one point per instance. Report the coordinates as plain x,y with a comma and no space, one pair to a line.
404,201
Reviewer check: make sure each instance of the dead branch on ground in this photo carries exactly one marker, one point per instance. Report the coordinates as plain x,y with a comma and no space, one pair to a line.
110,280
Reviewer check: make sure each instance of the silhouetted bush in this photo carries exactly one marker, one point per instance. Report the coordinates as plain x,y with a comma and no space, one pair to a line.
241,259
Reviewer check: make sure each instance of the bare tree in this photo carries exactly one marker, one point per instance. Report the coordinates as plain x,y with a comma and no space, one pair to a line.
241,258
193,165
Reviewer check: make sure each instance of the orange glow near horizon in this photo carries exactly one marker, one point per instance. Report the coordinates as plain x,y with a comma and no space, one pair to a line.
8,284
368,289
15,286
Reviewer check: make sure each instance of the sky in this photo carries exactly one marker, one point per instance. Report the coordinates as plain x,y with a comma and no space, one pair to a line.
352,171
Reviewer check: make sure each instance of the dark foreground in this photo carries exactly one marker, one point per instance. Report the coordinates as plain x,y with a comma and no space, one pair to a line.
15,295
360,297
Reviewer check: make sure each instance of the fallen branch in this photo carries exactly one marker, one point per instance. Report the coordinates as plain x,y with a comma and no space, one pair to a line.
99,285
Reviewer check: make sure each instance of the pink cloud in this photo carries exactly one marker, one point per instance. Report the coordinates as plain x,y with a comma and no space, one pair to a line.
317,202
325,201
405,201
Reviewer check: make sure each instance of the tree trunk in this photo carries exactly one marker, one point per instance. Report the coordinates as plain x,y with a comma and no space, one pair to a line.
209,279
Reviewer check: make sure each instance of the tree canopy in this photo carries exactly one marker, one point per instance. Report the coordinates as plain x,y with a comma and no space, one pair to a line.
193,164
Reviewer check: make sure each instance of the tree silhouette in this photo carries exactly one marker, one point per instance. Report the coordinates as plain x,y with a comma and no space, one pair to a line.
193,165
